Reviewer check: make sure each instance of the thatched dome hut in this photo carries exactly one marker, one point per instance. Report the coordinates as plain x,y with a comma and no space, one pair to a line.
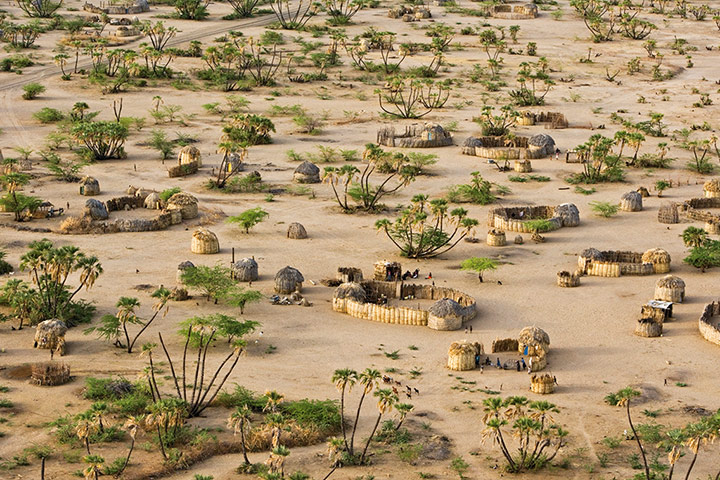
468,146
89,186
143,193
496,238
296,231
445,314
542,384
152,201
349,274
186,203
544,141
659,258
568,214
631,202
189,154
648,327
50,334
204,242
245,270
288,280
670,289
181,269
668,213
49,374
643,192
95,209
711,188
533,341
352,291
519,240
131,189
307,172
461,355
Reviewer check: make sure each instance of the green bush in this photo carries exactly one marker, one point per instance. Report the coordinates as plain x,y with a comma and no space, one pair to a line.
169,192
48,115
322,414
604,209
32,90
240,397
247,130
540,225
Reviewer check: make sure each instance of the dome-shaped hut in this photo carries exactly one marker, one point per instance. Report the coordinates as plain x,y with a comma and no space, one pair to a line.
711,188
568,214
288,280
668,213
307,172
350,291
659,258
50,334
89,186
542,384
461,355
181,268
143,193
631,202
670,289
245,270
533,341
496,238
643,192
204,242
445,314
296,231
186,203
544,142
189,154
152,201
468,146
648,327
95,209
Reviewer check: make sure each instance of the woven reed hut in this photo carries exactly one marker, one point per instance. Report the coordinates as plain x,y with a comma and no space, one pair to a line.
89,186
519,240
542,142
668,213
712,227
288,280
648,327
659,258
296,231
533,341
307,172
189,154
658,310
445,314
542,384
523,166
95,209
181,269
152,201
345,292
349,274
468,146
385,271
670,289
711,188
631,202
461,355
49,373
496,238
643,192
245,270
50,334
568,280
186,203
204,242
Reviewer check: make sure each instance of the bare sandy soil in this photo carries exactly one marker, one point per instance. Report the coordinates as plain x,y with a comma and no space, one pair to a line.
593,350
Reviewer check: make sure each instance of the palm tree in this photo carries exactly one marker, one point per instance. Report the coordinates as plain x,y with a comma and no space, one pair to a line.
273,399
694,237
131,426
239,421
621,138
369,379
635,140
84,428
334,448
403,410
344,379
386,401
97,410
493,426
623,398
93,470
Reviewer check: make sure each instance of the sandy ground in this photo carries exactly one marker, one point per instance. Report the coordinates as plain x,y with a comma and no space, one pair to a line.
593,351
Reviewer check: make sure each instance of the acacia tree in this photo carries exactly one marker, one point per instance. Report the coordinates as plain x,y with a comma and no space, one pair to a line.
39,8
293,15
103,139
408,97
14,201
534,84
539,438
342,11
426,228
479,265
497,125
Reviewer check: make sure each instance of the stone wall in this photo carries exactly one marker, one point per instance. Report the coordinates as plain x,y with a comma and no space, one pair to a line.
710,330
124,203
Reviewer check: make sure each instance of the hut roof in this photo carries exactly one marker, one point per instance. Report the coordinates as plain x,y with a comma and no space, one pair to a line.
592,253
205,235
182,198
289,273
446,307
534,336
190,150
185,264
464,347
671,281
712,185
245,263
89,181
472,142
307,168
55,326
152,198
352,291
542,140
632,196
656,255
